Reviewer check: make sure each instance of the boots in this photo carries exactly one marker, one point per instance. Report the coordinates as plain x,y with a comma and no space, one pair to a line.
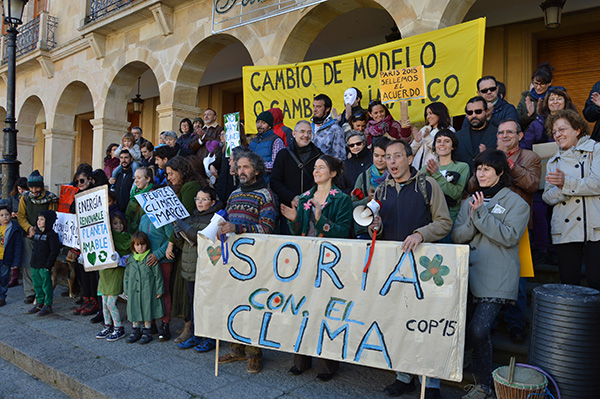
185,334
165,332
86,302
91,308
146,336
14,277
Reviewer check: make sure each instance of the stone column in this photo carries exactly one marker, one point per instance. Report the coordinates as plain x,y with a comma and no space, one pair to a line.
169,115
106,131
25,147
58,157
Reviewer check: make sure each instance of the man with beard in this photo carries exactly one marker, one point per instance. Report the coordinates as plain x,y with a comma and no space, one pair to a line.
36,200
124,180
328,136
250,209
266,143
211,128
478,136
489,88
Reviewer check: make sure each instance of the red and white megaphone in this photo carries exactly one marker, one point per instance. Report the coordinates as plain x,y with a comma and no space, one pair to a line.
364,214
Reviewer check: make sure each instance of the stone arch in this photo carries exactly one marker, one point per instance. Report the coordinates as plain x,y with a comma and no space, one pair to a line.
305,29
29,114
131,65
66,105
196,58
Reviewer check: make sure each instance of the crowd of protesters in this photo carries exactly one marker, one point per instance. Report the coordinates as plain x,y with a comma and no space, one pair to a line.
479,186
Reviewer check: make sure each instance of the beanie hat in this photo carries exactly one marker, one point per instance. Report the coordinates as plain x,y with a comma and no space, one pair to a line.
267,117
35,179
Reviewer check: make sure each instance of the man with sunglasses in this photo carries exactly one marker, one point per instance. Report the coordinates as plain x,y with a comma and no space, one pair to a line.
479,135
489,88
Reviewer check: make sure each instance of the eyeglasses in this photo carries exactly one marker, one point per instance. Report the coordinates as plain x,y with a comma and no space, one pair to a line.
477,111
393,157
302,132
202,199
506,132
490,89
539,84
352,145
560,130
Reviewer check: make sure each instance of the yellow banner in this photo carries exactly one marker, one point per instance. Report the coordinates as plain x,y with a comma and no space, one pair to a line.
402,84
452,59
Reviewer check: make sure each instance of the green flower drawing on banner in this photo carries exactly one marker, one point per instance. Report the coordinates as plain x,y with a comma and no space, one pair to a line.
434,268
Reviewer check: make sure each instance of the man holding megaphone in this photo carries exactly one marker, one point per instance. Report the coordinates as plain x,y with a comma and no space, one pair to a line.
412,210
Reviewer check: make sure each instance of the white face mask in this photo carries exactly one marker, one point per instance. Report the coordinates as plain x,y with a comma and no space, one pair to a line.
350,96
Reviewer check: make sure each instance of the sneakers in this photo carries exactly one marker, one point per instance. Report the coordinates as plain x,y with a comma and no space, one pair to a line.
117,334
35,309
146,336
165,332
231,357
135,335
106,331
254,365
190,343
206,345
478,392
91,308
45,310
398,388
84,305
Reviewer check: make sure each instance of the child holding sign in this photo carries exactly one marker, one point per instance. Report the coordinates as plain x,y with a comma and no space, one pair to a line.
111,282
143,285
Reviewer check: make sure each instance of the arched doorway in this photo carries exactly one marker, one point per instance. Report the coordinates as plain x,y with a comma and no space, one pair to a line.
31,121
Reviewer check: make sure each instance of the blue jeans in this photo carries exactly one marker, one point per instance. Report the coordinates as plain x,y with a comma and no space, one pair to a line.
429,383
515,314
4,279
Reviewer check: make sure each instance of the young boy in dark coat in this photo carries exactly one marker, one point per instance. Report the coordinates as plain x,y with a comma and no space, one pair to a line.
11,248
46,247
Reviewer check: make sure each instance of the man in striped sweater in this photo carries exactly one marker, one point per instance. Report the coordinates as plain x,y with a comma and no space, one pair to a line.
250,209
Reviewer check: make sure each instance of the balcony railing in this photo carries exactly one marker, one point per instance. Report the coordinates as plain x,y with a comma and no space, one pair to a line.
101,8
37,33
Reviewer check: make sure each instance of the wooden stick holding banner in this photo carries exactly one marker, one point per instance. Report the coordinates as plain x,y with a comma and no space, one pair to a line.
423,384
217,359
402,84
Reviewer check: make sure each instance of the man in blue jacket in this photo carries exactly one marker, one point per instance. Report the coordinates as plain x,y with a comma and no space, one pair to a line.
488,88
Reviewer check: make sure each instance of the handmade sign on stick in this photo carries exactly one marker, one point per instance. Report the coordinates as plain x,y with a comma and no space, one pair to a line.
162,206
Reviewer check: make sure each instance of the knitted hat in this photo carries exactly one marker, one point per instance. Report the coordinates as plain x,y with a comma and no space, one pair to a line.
266,116
35,179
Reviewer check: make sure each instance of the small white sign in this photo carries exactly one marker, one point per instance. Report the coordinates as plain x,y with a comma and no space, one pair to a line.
162,206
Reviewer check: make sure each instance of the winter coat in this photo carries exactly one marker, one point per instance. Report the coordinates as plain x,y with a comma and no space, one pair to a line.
353,167
190,227
329,138
591,112
141,284
576,213
466,152
279,128
13,245
288,179
336,215
493,233
46,244
135,152
535,133
122,188
159,238
502,110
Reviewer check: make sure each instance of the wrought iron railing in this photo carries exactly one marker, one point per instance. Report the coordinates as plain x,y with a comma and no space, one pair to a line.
100,8
29,35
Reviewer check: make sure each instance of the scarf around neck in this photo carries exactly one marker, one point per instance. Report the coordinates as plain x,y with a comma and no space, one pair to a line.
45,197
137,191
140,257
489,192
377,177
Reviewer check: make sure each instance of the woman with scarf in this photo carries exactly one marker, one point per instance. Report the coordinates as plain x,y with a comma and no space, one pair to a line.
368,181
323,211
186,181
142,180
438,118
492,222
382,124
541,82
359,159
